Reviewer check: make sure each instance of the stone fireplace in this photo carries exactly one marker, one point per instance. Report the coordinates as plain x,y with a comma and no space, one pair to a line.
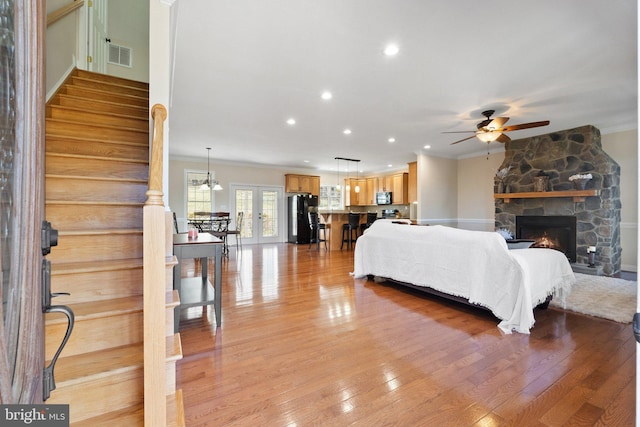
561,155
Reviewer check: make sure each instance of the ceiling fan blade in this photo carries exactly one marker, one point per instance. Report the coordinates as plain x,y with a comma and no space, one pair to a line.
497,122
503,138
464,139
461,131
525,126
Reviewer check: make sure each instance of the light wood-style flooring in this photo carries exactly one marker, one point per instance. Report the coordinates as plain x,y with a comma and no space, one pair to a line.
302,343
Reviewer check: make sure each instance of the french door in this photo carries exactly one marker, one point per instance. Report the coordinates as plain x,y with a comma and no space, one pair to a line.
263,209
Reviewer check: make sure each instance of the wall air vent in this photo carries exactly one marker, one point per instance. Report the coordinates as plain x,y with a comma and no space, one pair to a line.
119,55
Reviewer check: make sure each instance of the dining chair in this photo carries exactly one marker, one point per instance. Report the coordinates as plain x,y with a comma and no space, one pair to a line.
220,228
237,232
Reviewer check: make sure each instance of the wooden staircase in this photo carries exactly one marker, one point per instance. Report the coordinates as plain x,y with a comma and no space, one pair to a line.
97,171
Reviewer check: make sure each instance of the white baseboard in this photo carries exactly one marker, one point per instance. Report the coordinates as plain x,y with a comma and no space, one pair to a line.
627,267
56,86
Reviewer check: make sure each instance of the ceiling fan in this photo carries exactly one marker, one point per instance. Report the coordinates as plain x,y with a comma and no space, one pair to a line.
490,130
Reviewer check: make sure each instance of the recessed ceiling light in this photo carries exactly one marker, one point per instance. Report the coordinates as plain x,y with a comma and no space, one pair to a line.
427,147
347,131
291,121
391,50
326,95
392,140
306,161
389,165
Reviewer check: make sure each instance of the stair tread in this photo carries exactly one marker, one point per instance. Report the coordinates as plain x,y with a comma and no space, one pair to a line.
107,77
172,299
105,94
96,178
98,364
175,410
174,348
134,415
107,113
101,308
101,101
85,140
100,232
100,125
93,157
91,202
59,268
122,84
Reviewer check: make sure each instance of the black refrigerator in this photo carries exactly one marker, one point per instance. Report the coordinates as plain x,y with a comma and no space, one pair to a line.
298,207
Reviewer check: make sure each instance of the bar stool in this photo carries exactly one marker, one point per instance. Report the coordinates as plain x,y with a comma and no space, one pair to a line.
349,228
371,217
316,227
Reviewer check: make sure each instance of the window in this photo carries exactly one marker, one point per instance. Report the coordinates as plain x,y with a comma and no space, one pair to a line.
330,198
198,200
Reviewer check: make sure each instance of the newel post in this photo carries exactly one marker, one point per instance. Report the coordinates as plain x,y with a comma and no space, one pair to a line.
154,194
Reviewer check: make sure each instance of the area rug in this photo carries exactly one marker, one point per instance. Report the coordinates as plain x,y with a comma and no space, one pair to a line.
606,297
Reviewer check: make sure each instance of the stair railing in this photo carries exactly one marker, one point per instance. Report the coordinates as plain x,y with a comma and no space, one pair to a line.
60,13
154,264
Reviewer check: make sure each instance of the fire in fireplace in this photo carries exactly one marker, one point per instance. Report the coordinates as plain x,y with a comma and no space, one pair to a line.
555,232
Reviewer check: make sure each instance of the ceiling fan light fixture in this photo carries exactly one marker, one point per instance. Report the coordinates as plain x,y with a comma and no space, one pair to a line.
488,136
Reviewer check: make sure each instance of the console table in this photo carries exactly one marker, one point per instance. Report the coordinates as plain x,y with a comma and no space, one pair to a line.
197,291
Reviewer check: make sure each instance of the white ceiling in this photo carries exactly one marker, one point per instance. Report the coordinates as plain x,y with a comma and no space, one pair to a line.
243,67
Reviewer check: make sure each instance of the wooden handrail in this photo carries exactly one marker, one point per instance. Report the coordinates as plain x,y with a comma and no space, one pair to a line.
56,15
154,195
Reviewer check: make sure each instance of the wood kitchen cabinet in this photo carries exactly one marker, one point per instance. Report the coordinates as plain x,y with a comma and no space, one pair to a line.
398,185
302,184
360,198
372,189
412,191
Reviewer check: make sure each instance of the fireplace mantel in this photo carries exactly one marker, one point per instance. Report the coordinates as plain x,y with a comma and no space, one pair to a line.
577,195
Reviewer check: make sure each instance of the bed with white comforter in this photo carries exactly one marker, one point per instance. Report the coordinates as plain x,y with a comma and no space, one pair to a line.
474,265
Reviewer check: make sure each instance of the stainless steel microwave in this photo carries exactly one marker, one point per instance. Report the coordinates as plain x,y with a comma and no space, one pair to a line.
383,198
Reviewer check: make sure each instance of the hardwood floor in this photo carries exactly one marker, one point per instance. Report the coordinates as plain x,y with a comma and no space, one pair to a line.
304,344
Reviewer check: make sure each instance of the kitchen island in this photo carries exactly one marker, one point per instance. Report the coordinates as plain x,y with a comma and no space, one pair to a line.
335,220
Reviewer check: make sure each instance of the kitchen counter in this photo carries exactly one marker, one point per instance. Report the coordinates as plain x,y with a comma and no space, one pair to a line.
335,220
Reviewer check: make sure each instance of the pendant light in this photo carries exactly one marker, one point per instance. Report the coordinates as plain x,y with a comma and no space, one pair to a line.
208,181
338,169
357,189
347,186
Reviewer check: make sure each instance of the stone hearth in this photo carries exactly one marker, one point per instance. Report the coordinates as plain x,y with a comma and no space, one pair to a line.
561,155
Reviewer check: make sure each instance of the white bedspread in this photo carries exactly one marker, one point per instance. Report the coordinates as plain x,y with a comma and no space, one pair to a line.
476,265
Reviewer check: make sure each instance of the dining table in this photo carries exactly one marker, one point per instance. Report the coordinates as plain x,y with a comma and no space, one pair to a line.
198,291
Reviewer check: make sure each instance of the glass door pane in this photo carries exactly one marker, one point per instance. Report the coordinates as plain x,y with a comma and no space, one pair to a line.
262,207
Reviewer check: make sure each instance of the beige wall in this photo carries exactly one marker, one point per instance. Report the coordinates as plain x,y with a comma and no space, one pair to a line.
61,47
476,207
437,190
128,26
623,148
